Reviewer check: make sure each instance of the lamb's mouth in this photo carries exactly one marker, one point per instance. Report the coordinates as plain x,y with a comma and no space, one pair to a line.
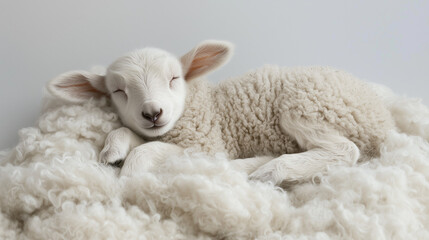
155,126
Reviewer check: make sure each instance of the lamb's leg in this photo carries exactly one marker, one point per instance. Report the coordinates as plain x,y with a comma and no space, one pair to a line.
148,156
117,145
324,147
249,165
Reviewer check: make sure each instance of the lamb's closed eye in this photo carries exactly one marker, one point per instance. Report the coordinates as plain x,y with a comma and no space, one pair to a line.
172,80
119,91
120,94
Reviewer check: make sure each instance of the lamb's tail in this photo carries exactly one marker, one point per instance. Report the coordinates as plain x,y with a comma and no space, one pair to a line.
410,114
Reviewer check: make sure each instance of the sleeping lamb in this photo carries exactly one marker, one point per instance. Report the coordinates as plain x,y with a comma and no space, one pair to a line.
277,124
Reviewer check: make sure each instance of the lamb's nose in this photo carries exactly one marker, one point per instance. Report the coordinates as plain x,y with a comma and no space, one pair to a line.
152,116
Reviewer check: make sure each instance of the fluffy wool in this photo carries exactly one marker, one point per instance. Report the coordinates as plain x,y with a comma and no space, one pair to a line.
243,116
52,187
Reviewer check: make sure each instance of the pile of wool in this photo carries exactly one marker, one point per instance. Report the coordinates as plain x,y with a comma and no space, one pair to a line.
52,187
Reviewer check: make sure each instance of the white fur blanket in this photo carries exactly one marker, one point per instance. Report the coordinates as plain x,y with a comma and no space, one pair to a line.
52,187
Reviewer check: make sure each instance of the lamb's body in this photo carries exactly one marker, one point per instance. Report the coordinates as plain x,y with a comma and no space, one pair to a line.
244,116
282,123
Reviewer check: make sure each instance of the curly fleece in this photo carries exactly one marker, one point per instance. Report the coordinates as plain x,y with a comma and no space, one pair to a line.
52,187
242,116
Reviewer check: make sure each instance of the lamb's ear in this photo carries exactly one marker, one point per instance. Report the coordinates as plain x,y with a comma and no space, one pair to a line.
205,57
77,86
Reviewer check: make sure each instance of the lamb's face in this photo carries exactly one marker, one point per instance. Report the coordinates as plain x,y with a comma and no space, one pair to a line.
148,89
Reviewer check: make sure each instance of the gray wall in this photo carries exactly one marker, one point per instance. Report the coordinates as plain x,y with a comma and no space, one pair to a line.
381,41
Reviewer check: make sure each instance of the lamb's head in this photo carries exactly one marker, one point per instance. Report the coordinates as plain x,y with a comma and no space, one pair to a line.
147,86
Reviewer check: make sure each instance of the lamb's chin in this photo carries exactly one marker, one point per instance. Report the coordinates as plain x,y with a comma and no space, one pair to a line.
155,131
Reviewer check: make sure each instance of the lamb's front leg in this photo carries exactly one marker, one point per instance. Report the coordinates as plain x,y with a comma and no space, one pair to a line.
117,145
148,156
324,147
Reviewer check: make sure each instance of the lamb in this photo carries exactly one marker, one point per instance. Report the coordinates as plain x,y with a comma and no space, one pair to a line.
278,124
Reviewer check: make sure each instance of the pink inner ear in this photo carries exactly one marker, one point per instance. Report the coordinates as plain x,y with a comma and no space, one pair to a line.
199,63
81,90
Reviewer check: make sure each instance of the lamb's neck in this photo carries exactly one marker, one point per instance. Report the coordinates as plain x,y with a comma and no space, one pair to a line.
198,127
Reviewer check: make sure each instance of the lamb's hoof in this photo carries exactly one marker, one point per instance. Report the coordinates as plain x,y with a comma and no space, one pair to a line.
276,173
112,156
265,175
119,163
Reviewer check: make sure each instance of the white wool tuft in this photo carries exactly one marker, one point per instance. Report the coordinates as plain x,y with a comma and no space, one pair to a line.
52,187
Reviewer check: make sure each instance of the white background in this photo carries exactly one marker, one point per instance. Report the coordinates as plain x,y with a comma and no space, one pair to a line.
380,41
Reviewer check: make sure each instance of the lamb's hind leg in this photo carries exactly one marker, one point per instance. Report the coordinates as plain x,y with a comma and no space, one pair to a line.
323,147
249,165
